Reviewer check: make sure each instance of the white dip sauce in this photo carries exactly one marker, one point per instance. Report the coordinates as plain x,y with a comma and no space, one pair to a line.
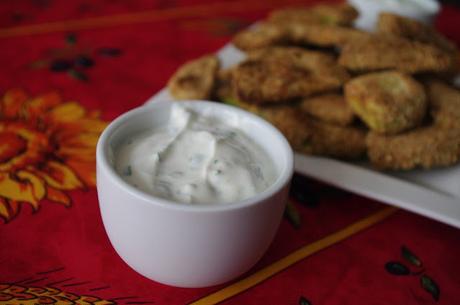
422,10
195,159
405,4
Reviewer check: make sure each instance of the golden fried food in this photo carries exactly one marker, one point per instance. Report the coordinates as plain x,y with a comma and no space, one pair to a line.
263,35
268,81
195,79
321,63
339,14
223,85
291,122
298,90
377,52
444,104
277,75
329,108
298,56
431,146
322,36
388,102
310,136
413,30
321,25
344,142
425,147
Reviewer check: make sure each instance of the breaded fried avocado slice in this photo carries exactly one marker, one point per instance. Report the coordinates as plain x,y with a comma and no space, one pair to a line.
277,75
291,122
388,102
263,35
307,135
343,142
444,102
434,145
223,85
301,57
425,147
335,14
414,30
330,108
195,79
385,51
283,26
323,36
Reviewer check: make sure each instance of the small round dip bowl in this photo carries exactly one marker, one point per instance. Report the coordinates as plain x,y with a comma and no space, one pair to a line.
190,245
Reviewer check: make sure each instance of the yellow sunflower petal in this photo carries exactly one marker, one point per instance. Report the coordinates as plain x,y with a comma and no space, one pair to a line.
59,176
4,213
37,185
85,170
92,125
12,102
37,106
67,112
57,196
26,187
82,140
77,153
82,125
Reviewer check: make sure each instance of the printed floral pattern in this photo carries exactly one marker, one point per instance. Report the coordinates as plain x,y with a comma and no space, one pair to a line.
20,295
47,147
72,59
399,269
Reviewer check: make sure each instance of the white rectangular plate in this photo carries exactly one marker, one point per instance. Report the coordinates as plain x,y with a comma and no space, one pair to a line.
432,193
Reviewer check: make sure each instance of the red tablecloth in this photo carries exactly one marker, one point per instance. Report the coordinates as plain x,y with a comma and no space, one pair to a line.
53,248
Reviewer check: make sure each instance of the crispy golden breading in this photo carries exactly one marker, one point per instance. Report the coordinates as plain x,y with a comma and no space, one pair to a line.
307,135
321,63
425,147
223,85
270,81
261,36
412,29
378,52
444,104
320,25
341,14
344,142
329,108
297,90
322,36
431,146
388,102
279,74
299,56
291,122
195,79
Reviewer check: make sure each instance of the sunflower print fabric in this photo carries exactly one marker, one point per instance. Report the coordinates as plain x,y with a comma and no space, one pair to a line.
47,148
20,295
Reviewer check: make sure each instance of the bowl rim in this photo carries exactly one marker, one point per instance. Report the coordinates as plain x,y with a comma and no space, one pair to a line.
102,163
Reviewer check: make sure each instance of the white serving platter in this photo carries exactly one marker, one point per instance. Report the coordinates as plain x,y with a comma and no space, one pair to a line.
431,193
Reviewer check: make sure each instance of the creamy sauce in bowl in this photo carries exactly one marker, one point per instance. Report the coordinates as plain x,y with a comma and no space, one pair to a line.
414,5
422,10
195,159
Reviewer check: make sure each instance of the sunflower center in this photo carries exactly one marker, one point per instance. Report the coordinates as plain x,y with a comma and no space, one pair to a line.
11,145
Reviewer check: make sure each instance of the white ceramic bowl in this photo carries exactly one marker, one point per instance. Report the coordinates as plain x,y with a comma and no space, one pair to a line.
369,10
183,245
